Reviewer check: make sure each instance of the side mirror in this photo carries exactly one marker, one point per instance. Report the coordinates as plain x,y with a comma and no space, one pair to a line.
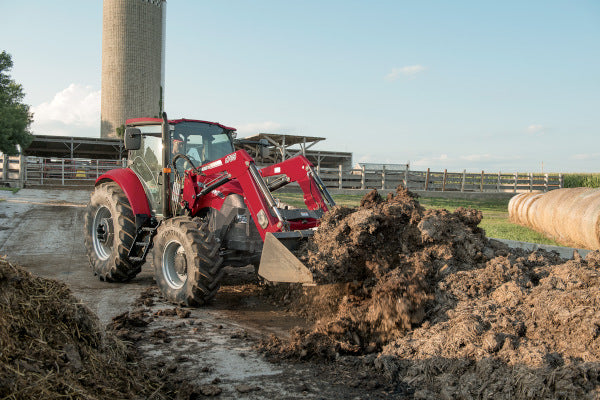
133,139
263,148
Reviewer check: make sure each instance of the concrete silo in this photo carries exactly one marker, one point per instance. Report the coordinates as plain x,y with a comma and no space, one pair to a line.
133,33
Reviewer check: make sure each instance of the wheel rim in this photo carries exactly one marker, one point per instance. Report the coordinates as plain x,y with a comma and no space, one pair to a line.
174,265
103,233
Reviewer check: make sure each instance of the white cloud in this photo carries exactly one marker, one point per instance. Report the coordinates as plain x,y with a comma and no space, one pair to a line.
410,71
434,160
585,156
74,111
376,159
476,157
258,127
535,129
470,162
366,158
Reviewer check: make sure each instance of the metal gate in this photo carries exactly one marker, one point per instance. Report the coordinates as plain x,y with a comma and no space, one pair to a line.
40,171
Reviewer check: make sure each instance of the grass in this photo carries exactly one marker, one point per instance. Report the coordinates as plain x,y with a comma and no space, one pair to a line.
495,214
495,219
10,189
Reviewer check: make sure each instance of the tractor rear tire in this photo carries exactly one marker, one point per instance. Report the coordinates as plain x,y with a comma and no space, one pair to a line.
187,266
109,233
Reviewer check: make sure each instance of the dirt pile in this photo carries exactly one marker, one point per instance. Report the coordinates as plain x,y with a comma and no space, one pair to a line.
453,314
519,327
51,346
380,264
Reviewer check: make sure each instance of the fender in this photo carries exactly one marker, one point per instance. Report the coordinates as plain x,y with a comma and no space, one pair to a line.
131,185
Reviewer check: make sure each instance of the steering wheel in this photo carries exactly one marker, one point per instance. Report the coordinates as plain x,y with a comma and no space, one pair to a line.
186,158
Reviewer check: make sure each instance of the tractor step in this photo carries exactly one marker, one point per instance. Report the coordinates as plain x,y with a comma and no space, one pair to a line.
142,242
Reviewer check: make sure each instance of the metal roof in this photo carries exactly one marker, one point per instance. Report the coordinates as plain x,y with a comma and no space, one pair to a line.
288,140
152,121
75,147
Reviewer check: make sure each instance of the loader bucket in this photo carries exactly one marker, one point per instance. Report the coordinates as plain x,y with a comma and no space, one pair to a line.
278,263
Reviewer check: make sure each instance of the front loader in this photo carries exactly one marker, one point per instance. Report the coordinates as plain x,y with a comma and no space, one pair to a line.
189,204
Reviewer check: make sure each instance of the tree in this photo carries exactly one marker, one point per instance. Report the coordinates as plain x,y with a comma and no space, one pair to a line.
121,131
15,117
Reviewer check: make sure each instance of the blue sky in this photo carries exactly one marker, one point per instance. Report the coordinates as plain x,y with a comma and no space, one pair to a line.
498,86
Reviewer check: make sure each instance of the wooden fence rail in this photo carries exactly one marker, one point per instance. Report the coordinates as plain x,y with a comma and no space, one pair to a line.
444,181
9,168
32,171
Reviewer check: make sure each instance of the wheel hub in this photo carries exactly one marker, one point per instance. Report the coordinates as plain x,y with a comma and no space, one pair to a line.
180,264
103,233
174,264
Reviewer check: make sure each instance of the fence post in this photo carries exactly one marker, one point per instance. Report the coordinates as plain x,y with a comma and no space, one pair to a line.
545,182
464,180
340,177
62,171
481,186
4,167
427,180
383,178
22,170
406,177
498,182
516,178
444,181
531,182
362,177
560,180
319,169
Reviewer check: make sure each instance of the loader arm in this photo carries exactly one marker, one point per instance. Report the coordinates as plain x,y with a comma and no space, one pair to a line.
299,169
201,189
207,186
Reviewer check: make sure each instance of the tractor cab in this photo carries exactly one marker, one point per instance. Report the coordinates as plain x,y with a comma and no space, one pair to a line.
196,142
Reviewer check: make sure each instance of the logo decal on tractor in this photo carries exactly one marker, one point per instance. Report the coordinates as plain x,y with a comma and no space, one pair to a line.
230,158
213,164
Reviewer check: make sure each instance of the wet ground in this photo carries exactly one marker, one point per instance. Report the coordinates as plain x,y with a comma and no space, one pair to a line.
213,346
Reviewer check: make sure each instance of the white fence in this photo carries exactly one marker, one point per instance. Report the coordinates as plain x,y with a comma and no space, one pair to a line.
66,171
83,172
444,181
10,167
37,171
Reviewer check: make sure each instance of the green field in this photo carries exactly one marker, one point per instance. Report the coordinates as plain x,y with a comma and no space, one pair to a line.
495,214
582,180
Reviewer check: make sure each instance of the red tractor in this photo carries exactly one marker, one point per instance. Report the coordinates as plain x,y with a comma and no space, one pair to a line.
195,205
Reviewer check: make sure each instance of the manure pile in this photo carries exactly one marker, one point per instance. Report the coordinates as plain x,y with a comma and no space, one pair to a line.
51,346
450,313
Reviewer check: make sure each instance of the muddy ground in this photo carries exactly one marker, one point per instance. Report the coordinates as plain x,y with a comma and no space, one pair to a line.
214,345
411,304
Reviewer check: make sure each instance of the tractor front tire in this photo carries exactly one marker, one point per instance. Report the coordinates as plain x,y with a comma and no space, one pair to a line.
109,233
187,266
